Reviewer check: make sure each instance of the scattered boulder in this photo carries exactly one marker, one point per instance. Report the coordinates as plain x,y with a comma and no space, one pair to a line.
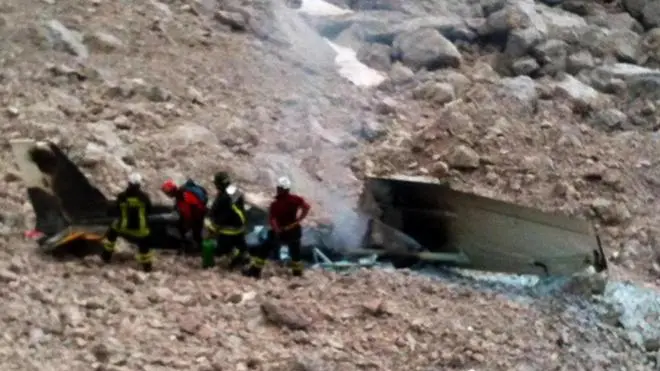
400,74
436,92
578,92
283,316
609,212
551,55
462,157
610,119
426,48
376,56
579,61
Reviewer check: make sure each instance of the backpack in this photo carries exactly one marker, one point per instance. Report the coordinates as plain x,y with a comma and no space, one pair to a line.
196,189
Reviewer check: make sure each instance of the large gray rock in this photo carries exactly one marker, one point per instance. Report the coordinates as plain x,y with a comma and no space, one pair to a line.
644,86
525,66
451,27
551,54
426,48
635,7
559,24
513,16
577,92
377,56
651,47
621,71
521,41
626,46
610,119
615,21
579,61
370,26
651,14
623,45
522,89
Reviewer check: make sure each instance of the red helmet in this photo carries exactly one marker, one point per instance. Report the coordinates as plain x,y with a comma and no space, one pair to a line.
169,187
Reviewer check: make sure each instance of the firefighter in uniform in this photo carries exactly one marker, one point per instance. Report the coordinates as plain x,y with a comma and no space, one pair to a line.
285,229
227,221
133,207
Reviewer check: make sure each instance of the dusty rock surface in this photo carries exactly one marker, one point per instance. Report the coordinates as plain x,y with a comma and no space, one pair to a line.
561,116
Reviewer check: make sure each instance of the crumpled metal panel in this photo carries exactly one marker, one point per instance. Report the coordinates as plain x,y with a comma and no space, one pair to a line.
494,235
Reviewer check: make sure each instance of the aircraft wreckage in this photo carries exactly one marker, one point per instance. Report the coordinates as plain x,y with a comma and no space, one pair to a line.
405,221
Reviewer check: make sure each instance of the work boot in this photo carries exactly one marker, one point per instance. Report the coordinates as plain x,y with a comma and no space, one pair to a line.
297,268
147,267
108,249
252,271
106,256
238,261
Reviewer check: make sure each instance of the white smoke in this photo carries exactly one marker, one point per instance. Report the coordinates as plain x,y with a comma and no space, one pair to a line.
306,118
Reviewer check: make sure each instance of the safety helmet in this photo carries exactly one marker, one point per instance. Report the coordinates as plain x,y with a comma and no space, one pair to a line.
169,186
135,179
221,179
284,182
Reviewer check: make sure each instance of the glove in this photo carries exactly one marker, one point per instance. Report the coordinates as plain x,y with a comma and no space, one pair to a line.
292,225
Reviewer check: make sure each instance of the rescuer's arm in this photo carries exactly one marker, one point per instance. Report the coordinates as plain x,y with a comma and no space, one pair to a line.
147,203
272,220
304,207
116,205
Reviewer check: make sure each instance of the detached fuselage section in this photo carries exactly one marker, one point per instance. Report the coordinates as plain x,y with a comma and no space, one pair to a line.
470,231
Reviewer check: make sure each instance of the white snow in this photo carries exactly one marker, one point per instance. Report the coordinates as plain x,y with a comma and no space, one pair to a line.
346,60
321,8
352,69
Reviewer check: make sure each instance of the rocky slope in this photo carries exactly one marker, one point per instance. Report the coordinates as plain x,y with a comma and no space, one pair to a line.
549,104
190,87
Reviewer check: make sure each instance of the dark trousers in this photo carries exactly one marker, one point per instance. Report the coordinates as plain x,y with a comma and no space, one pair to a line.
291,238
196,229
231,244
144,255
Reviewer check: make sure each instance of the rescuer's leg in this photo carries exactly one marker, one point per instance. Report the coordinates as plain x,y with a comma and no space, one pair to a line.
109,241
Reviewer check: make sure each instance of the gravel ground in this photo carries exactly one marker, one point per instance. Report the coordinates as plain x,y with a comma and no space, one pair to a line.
171,90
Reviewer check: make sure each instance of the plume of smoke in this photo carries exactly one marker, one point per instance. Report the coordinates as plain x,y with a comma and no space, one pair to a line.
349,226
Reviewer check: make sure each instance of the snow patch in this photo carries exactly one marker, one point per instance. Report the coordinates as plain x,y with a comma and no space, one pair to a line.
352,69
321,8
346,60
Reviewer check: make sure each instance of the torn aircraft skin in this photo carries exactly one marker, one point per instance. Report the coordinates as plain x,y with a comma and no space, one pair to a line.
475,232
408,221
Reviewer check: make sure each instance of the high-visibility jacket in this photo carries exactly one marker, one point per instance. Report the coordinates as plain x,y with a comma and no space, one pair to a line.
227,214
133,207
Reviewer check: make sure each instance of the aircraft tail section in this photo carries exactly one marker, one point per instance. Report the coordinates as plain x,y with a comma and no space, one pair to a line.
50,217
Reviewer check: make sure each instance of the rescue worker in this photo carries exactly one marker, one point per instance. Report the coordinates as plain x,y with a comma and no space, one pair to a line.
133,207
285,214
227,221
190,203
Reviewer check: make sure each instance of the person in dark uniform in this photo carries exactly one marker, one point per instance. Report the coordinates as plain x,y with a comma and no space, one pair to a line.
133,207
284,220
227,221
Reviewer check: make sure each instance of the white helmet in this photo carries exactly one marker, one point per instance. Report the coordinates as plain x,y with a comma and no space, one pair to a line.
284,182
135,179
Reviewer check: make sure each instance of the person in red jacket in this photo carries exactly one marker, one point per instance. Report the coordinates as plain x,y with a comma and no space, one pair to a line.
284,214
191,207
